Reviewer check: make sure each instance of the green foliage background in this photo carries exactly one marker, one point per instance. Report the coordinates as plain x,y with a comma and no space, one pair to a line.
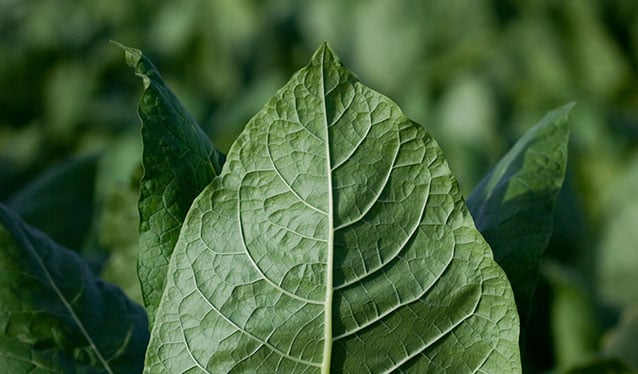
475,73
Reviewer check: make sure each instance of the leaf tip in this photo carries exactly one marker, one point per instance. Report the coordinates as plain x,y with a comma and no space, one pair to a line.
132,55
560,116
324,55
567,108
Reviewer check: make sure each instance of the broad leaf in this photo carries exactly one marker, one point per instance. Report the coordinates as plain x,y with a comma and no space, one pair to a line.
335,239
55,316
179,161
513,206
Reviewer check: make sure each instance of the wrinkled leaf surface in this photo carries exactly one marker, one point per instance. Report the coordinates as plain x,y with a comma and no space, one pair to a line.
335,239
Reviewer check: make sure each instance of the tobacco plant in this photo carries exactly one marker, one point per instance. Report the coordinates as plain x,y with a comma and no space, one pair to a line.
332,237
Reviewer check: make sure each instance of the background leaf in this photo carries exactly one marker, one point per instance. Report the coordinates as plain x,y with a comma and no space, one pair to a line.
572,315
618,257
335,238
513,205
117,223
55,315
620,342
179,161
60,201
89,204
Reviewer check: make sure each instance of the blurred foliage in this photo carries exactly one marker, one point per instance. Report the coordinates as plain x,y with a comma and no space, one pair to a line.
475,73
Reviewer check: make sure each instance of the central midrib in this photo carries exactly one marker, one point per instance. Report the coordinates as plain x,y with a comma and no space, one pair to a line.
327,346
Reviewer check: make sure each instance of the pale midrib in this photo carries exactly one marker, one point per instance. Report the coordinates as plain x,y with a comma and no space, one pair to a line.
67,305
327,345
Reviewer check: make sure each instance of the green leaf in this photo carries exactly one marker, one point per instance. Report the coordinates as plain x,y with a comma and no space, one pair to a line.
179,161
55,316
60,201
334,239
513,206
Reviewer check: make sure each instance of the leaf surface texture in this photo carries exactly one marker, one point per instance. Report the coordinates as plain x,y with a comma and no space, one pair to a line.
335,238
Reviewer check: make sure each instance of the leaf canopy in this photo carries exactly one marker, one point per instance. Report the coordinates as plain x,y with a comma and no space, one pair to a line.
55,315
179,161
335,238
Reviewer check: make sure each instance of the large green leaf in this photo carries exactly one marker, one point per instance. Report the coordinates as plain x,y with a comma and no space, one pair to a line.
55,316
335,238
513,206
179,161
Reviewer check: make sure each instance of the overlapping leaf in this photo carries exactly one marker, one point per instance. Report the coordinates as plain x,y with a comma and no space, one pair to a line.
334,239
513,206
55,316
179,161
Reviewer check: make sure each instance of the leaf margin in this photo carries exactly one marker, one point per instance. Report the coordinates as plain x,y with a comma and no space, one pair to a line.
173,145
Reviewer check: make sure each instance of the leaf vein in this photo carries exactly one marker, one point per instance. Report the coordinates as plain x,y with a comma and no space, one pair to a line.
378,193
65,302
394,255
399,305
256,338
276,170
258,269
436,338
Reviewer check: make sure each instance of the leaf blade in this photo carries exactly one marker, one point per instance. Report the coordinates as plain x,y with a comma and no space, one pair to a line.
54,310
179,161
327,169
513,204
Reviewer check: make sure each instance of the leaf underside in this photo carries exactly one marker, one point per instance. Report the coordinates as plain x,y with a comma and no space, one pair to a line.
513,206
335,238
179,161
55,315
